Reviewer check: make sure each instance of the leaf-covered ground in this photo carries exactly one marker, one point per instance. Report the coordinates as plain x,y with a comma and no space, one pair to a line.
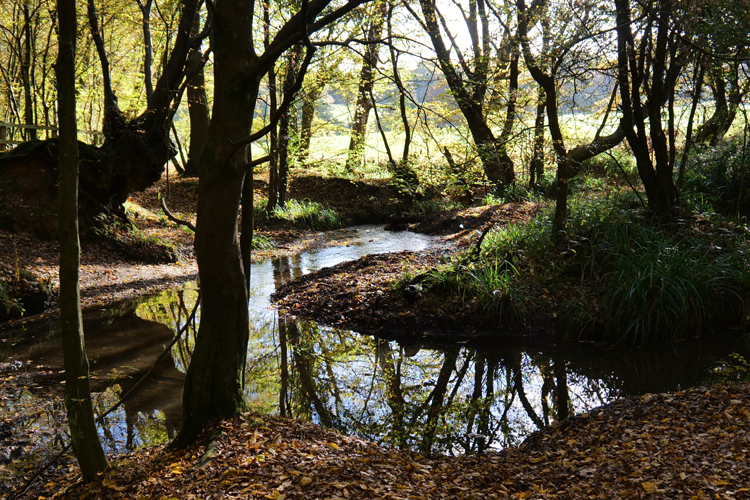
107,276
689,445
362,295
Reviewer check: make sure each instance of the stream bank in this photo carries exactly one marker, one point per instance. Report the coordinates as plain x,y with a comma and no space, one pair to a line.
262,456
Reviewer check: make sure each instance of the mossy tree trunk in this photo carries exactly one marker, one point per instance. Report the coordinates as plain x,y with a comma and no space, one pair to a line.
86,444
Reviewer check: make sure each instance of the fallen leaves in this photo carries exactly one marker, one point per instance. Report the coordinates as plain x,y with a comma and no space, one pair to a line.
668,446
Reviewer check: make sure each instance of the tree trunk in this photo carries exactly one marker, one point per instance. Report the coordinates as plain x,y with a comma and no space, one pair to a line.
536,167
546,78
213,385
364,102
470,95
547,81
657,178
562,398
273,139
437,396
148,45
394,394
197,108
214,381
403,172
83,433
308,113
28,99
725,110
285,125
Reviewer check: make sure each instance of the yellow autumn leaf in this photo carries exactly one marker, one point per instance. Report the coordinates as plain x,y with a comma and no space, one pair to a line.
648,487
305,480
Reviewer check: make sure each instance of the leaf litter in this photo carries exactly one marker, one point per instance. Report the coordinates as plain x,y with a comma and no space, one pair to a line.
691,444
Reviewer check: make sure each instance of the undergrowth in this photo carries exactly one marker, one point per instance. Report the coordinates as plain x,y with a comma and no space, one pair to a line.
304,212
133,242
261,242
617,273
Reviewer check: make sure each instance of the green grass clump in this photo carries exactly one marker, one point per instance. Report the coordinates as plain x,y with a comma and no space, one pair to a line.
261,242
307,212
10,306
490,288
616,273
662,286
429,207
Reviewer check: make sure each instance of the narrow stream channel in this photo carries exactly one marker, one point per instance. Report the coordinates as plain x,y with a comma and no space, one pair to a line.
438,398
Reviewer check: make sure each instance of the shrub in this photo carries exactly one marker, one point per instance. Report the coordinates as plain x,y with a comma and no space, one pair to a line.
718,178
620,275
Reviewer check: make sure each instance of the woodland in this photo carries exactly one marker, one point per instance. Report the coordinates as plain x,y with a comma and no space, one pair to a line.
584,162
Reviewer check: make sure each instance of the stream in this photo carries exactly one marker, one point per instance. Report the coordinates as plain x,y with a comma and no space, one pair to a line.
450,399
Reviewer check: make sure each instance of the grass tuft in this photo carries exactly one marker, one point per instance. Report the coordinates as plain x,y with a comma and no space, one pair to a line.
307,212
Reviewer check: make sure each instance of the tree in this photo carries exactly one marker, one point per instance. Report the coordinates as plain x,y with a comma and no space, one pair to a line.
401,169
545,73
278,178
648,67
135,150
469,83
83,433
214,381
718,30
197,101
364,93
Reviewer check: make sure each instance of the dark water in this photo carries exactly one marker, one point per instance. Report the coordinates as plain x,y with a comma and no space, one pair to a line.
438,398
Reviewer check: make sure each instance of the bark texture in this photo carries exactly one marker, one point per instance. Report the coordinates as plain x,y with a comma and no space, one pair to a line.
83,433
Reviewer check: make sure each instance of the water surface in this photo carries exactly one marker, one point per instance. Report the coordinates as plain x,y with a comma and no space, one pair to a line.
437,398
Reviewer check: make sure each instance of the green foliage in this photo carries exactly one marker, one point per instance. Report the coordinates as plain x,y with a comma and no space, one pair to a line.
24,293
490,287
734,369
661,286
261,242
623,277
515,193
433,206
10,306
717,178
309,213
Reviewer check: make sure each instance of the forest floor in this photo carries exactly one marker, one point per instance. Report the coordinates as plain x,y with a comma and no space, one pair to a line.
693,444
688,445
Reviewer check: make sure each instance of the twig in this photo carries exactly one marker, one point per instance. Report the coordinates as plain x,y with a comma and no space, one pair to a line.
478,248
627,179
174,219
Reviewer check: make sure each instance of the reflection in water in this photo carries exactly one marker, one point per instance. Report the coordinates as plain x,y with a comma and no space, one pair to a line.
439,399
453,400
